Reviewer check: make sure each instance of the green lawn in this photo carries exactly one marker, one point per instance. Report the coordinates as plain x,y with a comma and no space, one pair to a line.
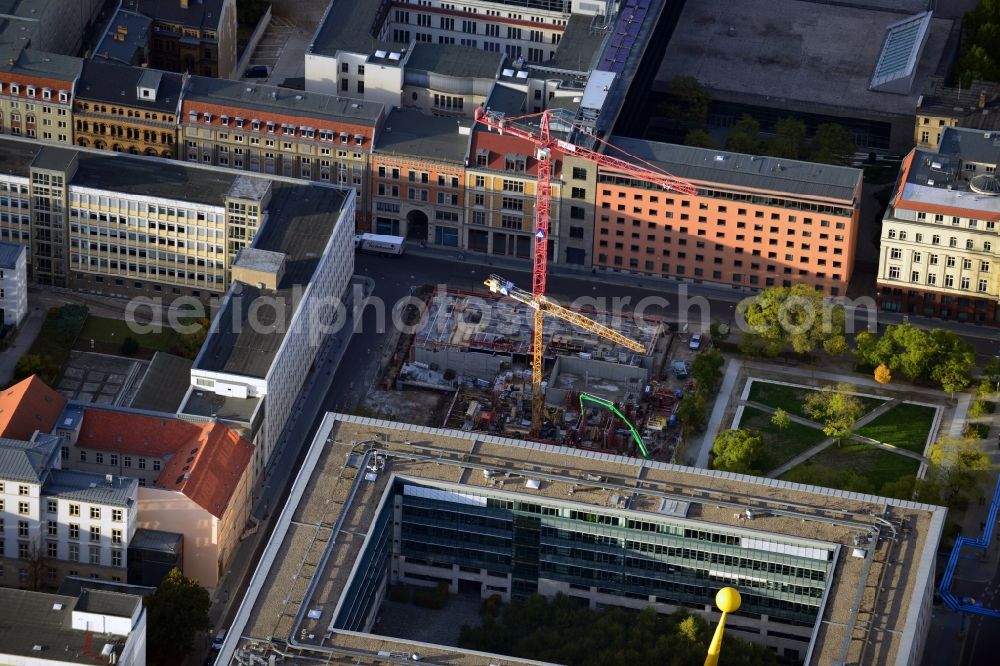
791,398
115,331
780,445
838,464
904,425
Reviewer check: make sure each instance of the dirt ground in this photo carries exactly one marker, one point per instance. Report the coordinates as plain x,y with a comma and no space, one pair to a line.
411,406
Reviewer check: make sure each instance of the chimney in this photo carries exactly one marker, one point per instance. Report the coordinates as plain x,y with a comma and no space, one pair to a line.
982,100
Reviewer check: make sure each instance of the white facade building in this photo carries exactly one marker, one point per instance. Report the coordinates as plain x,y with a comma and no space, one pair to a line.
13,283
270,326
56,522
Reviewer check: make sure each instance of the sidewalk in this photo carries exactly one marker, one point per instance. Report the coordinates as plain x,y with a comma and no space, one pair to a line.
30,327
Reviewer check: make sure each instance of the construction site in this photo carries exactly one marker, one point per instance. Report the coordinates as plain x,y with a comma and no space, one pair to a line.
474,351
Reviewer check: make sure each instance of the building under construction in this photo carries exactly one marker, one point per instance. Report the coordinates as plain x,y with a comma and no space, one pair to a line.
598,395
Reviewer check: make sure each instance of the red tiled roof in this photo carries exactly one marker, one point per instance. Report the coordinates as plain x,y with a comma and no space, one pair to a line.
28,406
203,461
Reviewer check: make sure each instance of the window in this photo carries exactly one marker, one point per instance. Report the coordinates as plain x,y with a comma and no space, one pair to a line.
74,509
127,461
74,531
99,457
95,533
932,279
52,549
579,173
74,552
894,272
914,276
95,554
984,267
51,506
916,257
52,527
116,558
895,253
967,264
116,515
983,286
579,193
576,232
23,508
23,490
83,455
116,536
965,283
932,259
949,281
156,465
114,459
22,528
142,463
95,513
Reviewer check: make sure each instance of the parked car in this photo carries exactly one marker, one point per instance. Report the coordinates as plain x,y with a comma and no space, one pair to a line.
695,341
219,639
256,72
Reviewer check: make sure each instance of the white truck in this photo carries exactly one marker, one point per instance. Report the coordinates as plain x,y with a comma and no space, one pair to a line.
379,244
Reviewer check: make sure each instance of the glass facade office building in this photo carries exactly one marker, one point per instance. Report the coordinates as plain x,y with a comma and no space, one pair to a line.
518,544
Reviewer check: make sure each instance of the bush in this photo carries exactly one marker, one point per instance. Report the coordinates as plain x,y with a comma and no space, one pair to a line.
399,594
434,598
491,605
976,430
981,408
130,346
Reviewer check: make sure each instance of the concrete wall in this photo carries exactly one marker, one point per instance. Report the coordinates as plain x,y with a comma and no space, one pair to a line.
172,511
471,364
623,375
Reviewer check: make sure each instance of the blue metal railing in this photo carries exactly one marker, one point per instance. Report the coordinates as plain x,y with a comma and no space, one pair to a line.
982,543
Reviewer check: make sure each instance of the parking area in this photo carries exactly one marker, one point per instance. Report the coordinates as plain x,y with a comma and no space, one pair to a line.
283,46
101,379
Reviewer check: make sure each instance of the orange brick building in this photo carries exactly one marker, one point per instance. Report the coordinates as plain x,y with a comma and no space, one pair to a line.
755,222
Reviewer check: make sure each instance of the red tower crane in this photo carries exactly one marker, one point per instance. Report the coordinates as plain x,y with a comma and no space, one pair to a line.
546,146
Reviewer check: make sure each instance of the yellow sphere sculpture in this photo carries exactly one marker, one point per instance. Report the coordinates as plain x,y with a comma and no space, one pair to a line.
728,601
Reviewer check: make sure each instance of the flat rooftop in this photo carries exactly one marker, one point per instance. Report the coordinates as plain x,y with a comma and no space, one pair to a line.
410,133
301,220
206,404
32,619
880,586
455,60
938,183
779,52
274,99
347,25
772,174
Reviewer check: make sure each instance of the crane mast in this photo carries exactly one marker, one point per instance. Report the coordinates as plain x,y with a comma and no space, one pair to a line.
546,147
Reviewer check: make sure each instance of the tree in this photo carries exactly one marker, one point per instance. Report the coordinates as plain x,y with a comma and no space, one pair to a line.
832,145
699,138
836,408
902,488
688,102
882,374
959,469
744,136
707,368
789,139
692,410
936,354
795,316
780,419
737,451
991,371
718,331
177,611
27,365
130,346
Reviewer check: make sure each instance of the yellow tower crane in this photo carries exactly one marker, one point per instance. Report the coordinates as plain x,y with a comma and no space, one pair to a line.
543,306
